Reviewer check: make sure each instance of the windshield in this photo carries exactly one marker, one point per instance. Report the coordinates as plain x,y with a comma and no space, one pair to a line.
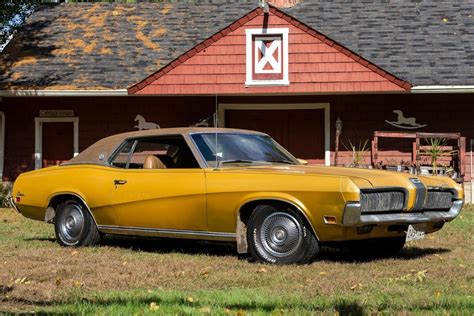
233,148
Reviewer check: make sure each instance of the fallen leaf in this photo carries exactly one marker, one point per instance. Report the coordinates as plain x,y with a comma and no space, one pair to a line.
21,280
206,271
154,306
124,263
322,273
262,270
462,266
78,283
421,275
438,256
74,253
227,311
438,293
205,310
190,299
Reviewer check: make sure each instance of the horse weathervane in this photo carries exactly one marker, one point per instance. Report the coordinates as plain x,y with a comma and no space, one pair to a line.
405,122
143,124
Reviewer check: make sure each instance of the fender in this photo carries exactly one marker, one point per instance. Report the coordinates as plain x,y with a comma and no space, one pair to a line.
241,227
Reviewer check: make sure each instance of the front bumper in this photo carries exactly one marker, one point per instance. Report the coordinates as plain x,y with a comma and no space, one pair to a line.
12,204
353,217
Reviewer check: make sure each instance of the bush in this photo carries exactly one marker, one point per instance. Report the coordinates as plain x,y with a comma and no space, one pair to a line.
5,191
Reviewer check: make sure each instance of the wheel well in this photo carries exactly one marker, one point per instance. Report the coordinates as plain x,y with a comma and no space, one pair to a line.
247,209
57,200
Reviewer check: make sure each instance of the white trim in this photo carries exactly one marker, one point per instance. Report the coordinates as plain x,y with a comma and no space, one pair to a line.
443,89
2,143
62,93
39,136
249,82
222,107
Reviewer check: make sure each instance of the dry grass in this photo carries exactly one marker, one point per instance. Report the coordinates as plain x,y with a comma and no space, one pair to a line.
127,275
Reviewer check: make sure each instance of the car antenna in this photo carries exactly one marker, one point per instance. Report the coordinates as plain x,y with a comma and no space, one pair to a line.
215,126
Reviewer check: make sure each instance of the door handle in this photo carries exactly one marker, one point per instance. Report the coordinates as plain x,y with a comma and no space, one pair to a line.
119,182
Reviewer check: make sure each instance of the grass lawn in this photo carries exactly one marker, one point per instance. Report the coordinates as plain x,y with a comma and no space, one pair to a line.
146,276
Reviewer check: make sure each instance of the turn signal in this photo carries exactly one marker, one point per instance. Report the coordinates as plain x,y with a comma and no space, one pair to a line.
330,220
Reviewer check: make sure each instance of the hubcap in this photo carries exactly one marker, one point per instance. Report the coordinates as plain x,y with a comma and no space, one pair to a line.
280,234
72,223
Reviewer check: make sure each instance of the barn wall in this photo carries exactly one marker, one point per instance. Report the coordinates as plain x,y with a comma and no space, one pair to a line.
360,114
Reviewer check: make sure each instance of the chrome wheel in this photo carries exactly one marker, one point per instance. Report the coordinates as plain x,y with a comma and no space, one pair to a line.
71,224
281,234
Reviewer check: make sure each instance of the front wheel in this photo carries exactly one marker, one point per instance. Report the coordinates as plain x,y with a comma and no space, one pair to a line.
74,226
280,236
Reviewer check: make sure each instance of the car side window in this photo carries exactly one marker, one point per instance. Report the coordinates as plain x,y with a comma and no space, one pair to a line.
121,159
167,152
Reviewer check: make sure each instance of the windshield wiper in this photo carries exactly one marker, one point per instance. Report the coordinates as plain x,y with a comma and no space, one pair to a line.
289,162
235,161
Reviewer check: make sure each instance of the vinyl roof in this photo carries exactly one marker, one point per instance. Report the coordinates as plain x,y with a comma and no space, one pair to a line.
99,152
112,46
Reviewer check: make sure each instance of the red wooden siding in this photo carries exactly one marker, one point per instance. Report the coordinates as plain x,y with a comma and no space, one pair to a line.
316,65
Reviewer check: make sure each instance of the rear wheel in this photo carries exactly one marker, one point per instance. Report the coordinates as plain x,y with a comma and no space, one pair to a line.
74,226
280,236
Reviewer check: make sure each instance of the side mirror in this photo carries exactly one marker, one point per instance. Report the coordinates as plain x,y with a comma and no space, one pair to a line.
302,161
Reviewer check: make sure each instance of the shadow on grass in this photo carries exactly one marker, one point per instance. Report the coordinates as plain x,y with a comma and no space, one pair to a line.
407,253
213,248
88,305
170,245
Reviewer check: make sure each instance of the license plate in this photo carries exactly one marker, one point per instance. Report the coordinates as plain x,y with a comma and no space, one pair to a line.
415,232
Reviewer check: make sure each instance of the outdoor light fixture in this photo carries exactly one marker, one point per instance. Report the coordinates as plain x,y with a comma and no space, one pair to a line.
338,134
338,125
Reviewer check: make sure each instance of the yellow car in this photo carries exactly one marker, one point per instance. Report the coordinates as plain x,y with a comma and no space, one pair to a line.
230,185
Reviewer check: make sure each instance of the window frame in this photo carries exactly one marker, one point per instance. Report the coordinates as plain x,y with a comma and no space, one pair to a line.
137,139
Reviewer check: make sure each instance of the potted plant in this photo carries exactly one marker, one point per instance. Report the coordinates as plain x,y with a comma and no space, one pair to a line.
358,152
436,149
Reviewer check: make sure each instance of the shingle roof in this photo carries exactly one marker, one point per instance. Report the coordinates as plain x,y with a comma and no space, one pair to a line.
84,46
425,43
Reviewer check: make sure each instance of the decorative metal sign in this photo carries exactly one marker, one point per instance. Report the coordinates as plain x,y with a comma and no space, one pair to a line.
56,113
267,56
405,122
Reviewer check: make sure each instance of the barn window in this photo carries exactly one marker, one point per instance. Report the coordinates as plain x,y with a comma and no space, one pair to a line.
267,57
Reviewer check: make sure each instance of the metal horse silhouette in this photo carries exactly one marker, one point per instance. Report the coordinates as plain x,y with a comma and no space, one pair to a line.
143,124
405,122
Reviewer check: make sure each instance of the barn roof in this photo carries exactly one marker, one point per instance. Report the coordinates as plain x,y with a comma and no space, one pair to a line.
112,46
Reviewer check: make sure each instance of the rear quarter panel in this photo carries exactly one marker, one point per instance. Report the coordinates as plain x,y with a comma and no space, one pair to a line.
90,182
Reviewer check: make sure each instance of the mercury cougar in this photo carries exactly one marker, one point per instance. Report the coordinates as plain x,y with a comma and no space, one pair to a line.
230,185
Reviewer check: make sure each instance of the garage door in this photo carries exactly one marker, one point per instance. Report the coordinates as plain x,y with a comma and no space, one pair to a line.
299,131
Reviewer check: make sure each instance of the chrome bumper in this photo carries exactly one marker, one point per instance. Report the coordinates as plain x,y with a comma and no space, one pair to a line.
352,216
12,204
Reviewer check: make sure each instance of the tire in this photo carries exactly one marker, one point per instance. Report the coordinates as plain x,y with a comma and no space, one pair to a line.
379,247
74,226
280,236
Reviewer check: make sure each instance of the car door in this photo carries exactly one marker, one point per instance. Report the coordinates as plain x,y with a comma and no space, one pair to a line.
158,185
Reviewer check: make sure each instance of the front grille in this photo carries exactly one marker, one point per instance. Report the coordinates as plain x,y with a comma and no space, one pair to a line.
439,200
382,201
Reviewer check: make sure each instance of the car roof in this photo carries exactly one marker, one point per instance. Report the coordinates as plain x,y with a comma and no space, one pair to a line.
100,151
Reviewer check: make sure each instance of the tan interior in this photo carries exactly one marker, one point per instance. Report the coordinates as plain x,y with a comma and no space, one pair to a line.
153,162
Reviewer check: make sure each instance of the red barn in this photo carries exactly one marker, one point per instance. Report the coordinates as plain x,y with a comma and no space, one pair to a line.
76,73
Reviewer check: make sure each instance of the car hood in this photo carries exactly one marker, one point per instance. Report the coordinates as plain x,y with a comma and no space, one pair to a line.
364,178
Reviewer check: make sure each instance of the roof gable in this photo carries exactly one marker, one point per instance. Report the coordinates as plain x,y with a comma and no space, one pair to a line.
317,64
